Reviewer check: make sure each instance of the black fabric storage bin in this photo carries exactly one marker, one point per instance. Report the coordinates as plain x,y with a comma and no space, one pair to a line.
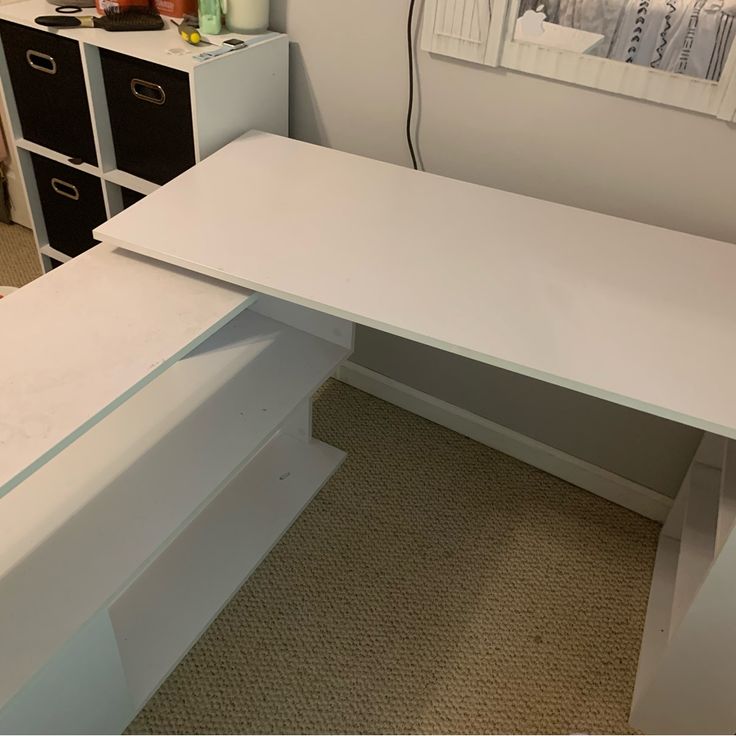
72,203
150,115
130,197
48,84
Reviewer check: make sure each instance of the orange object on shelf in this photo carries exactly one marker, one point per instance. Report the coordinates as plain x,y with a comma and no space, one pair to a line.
175,8
172,8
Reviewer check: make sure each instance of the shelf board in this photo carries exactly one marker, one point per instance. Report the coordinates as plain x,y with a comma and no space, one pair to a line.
727,496
137,478
124,179
711,451
659,612
57,255
61,158
698,541
170,605
57,383
164,47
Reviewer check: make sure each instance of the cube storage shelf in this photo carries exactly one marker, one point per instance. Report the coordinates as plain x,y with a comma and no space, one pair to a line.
101,119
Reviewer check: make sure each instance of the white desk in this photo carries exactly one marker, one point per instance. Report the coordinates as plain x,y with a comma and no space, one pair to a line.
627,312
634,314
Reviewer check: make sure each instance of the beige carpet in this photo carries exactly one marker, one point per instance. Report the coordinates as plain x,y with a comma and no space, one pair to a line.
18,260
434,585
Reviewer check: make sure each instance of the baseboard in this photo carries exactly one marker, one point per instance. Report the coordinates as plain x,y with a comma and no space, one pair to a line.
590,477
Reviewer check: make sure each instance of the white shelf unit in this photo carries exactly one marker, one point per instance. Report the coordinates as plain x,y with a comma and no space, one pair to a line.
129,181
180,594
53,254
229,95
126,544
686,675
32,147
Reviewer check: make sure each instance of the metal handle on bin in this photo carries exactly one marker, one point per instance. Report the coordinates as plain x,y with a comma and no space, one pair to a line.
41,62
65,189
148,91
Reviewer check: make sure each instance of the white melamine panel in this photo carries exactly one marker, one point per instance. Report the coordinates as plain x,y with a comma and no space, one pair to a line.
83,338
299,423
711,451
659,612
698,540
261,100
57,255
675,520
164,47
97,98
684,663
691,689
113,198
627,312
124,179
82,689
168,607
82,526
60,158
334,329
727,496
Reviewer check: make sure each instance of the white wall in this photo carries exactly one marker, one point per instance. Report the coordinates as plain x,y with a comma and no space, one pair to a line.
528,135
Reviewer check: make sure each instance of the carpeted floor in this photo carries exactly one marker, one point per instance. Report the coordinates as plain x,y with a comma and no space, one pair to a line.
19,263
434,585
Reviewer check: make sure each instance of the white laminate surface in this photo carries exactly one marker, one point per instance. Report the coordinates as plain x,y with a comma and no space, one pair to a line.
171,604
84,337
635,314
164,47
82,527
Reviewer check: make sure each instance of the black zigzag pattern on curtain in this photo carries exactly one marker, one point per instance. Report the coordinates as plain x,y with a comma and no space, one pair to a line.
671,8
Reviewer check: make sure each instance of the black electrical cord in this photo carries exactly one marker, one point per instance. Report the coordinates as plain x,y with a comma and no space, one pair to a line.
410,109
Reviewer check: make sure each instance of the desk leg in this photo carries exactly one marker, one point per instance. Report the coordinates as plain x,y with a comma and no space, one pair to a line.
686,682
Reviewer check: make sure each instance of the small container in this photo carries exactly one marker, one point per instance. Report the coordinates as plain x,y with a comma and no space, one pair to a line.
175,8
210,16
246,16
104,5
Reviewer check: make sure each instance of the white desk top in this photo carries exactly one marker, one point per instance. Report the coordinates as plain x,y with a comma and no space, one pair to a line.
80,340
638,315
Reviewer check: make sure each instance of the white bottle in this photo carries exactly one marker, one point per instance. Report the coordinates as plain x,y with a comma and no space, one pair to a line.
246,16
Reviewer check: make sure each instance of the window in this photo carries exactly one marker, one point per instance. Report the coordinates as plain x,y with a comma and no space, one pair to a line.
675,52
